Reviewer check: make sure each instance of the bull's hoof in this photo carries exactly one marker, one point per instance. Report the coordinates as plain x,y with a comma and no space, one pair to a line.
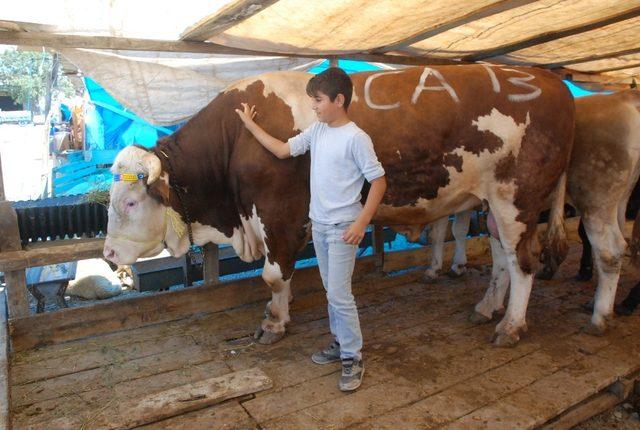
505,340
594,329
428,278
265,337
457,272
259,332
478,318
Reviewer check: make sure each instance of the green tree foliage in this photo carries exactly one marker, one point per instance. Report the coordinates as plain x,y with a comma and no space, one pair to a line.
24,74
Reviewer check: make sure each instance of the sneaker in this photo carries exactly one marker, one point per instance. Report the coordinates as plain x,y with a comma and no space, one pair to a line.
352,372
331,354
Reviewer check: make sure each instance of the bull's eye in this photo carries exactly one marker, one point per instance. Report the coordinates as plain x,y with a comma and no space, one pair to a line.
130,204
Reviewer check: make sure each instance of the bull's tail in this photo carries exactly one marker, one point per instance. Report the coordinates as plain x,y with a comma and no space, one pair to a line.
555,246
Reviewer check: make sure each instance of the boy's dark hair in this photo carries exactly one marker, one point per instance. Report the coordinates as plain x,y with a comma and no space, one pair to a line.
331,82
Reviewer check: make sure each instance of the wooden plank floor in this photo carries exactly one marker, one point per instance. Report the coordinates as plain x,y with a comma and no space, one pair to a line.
427,366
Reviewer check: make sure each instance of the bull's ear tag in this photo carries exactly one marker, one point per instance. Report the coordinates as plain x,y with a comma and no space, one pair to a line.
196,255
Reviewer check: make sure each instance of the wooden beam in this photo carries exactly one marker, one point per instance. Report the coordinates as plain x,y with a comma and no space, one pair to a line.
617,68
590,58
211,264
25,26
176,401
15,280
2,195
486,11
553,35
378,247
227,17
590,407
51,253
103,42
77,323
4,366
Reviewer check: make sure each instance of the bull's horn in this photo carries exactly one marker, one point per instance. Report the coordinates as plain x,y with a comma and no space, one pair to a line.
152,163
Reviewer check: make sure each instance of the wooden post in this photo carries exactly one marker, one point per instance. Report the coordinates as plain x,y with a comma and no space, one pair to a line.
2,196
16,283
378,247
211,265
4,367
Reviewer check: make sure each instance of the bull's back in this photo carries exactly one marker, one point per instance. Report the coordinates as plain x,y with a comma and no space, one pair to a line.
444,131
607,142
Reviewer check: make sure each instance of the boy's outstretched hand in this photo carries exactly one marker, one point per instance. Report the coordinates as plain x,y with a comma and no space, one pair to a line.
354,234
247,114
275,146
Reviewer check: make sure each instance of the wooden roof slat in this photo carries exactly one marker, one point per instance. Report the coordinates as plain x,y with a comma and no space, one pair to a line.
224,19
25,26
591,58
554,35
618,68
119,43
492,9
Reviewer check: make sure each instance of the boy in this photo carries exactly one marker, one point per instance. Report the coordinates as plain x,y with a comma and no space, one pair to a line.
342,157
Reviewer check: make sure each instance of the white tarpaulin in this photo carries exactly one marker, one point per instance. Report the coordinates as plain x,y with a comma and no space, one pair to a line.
168,89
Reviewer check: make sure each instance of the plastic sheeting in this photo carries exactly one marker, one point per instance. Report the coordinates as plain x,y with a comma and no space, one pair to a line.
166,88
108,125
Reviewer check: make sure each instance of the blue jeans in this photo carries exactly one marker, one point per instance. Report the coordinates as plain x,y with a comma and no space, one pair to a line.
336,260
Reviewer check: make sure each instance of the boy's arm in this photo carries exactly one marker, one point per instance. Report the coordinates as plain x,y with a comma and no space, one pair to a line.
355,232
277,147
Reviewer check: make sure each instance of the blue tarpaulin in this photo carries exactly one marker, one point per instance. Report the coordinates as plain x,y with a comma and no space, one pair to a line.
349,66
112,126
65,112
577,92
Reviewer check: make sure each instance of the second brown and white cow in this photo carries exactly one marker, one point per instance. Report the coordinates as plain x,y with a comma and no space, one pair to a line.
604,169
448,137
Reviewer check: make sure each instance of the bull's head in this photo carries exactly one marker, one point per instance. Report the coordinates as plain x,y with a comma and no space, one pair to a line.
138,207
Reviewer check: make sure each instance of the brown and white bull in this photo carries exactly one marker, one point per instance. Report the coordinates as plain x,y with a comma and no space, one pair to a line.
448,137
604,169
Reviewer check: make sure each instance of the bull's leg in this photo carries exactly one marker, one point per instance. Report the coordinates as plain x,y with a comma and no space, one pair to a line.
586,260
276,315
493,300
460,229
437,233
508,330
608,249
516,240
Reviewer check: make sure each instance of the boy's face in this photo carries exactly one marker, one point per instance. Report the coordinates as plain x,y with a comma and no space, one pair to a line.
325,109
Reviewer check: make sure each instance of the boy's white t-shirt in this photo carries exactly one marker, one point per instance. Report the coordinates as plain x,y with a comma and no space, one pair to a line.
341,159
